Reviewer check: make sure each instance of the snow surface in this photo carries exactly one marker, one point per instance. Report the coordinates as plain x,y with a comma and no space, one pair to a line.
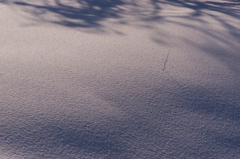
119,79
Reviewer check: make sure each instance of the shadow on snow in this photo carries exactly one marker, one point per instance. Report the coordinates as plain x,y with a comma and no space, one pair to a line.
148,111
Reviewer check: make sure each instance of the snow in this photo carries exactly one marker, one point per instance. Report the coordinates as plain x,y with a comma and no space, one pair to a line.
119,79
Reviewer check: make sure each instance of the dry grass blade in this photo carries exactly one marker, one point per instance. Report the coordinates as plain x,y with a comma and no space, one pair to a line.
165,62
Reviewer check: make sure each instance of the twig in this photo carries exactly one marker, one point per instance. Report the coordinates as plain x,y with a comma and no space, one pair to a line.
166,61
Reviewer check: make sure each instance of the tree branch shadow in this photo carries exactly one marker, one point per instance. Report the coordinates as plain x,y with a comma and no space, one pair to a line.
77,13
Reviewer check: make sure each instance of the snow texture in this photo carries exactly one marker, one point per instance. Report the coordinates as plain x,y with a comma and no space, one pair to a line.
119,79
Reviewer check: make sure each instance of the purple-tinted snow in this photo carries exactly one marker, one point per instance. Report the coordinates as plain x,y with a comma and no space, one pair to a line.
93,79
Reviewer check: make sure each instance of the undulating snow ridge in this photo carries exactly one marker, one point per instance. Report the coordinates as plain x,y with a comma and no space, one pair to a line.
119,79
